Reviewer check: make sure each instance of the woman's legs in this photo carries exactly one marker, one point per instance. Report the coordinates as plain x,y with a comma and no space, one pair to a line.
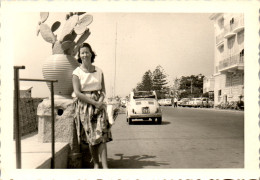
99,151
94,150
103,154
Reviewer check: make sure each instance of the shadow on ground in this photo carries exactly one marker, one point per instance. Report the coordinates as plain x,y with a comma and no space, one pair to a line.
133,162
141,122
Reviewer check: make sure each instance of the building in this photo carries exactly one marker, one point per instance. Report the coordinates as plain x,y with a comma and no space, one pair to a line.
229,57
208,84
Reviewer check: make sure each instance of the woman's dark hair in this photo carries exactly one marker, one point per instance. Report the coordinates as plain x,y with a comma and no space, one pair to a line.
93,55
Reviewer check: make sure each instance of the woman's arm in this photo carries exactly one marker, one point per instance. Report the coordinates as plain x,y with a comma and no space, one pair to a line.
103,89
81,96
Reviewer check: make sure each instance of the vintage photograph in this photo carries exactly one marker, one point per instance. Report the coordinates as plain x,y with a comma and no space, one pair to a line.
151,90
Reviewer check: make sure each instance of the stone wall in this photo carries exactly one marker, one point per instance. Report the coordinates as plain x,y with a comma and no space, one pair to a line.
28,115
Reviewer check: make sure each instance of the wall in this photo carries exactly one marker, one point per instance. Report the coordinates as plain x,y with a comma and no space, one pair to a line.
25,93
28,115
231,85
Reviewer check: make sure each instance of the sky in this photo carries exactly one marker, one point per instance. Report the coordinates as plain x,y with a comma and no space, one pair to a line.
126,44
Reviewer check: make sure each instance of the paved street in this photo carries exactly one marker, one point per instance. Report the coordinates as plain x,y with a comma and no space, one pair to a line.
187,138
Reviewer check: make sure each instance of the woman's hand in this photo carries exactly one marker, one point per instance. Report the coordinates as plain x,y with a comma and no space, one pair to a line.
100,105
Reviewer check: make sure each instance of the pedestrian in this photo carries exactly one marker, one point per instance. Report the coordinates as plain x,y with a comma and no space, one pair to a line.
92,124
175,101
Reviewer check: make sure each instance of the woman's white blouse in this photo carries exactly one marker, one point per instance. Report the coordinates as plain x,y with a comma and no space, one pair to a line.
89,81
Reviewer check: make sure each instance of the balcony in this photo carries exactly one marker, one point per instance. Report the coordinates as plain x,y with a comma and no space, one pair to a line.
232,63
234,27
239,25
219,39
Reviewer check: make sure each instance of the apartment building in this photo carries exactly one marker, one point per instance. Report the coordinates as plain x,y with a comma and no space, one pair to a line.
229,57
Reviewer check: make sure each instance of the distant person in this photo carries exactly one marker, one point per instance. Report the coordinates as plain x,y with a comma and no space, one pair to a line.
175,100
90,108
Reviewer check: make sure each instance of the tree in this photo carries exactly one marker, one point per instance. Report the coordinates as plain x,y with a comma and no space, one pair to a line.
147,83
191,86
160,82
175,88
156,81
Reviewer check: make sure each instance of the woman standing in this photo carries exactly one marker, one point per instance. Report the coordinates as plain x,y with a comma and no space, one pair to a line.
90,109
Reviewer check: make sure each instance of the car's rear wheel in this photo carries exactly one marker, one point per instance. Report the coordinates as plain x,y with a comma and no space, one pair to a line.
159,120
129,120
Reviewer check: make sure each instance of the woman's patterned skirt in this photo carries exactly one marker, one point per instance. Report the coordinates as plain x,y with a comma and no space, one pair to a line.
92,127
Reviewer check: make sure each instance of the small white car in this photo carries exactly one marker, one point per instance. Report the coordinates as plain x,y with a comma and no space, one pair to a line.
183,102
143,105
165,102
123,102
195,102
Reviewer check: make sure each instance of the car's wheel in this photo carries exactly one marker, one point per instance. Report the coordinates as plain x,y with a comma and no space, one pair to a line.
159,120
129,120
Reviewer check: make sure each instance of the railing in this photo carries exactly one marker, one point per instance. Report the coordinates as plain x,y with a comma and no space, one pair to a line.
16,115
230,61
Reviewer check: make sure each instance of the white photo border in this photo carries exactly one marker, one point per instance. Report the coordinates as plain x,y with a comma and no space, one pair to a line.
251,120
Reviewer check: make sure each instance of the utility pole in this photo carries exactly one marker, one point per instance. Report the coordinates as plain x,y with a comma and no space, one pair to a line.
191,86
114,93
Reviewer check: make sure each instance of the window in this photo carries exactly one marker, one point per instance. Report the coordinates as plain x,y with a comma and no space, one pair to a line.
242,53
230,46
241,58
240,38
219,92
231,21
221,23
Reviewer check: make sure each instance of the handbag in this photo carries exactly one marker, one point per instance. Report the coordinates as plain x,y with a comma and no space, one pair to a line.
112,113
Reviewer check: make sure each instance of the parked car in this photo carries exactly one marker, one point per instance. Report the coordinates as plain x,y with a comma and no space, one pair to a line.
143,105
195,102
165,102
123,102
183,102
206,102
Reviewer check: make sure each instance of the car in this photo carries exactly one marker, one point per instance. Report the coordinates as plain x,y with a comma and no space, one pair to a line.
206,102
165,102
123,102
143,105
195,102
183,102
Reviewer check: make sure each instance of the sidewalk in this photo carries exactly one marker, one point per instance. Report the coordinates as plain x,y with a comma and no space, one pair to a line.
37,155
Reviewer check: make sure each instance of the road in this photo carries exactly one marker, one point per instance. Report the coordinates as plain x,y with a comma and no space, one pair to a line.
187,138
